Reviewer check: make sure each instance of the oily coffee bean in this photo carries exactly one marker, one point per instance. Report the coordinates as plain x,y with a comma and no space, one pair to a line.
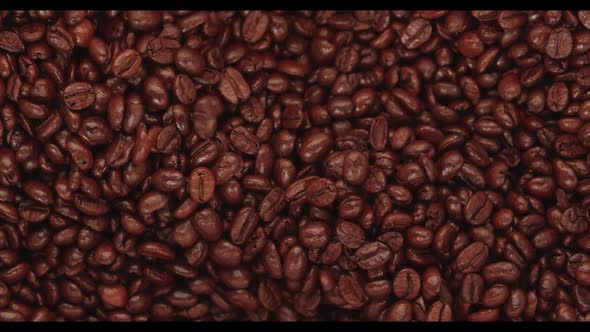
244,141
416,33
201,184
478,209
127,63
10,42
350,234
78,96
321,192
294,165
272,204
559,43
372,255
254,26
472,258
406,284
233,86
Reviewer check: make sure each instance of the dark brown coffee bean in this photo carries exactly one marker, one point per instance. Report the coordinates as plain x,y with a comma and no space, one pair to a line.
314,146
184,89
296,193
478,209
439,312
350,234
472,287
233,86
127,63
472,258
243,225
168,179
244,141
559,43
78,96
272,204
10,42
416,33
254,26
207,223
355,167
406,284
495,296
201,184
321,192
372,255
161,50
378,133
501,272
351,291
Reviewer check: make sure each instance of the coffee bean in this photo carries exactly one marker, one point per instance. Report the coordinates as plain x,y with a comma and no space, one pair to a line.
127,63
272,204
378,133
314,234
184,89
207,223
350,234
502,272
78,96
155,250
439,312
255,25
406,284
372,255
355,167
233,86
478,209
201,184
321,192
416,33
472,258
351,291
10,42
168,179
243,225
161,50
244,141
559,43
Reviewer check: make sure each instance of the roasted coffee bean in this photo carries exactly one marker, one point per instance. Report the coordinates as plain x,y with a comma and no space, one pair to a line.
244,141
168,179
201,184
559,43
372,255
272,204
127,63
254,26
472,258
416,33
243,225
350,234
78,96
233,86
406,284
501,272
321,192
10,42
478,209
439,312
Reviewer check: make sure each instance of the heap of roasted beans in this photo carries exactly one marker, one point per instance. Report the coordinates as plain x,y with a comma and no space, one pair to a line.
261,166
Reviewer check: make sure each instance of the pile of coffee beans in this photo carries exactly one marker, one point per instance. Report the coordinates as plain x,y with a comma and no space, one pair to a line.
305,165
